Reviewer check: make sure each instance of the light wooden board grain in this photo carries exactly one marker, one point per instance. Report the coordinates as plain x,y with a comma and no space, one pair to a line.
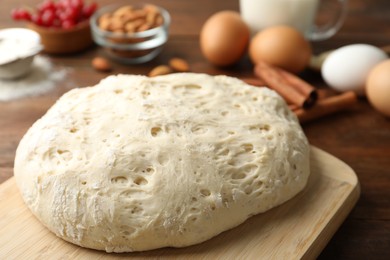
298,229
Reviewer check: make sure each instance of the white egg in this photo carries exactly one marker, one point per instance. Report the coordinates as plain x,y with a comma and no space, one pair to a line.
347,68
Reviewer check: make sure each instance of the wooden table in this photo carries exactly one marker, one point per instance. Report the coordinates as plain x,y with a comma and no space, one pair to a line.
359,136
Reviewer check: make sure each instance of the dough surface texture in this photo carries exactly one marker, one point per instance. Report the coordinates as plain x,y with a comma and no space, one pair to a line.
137,163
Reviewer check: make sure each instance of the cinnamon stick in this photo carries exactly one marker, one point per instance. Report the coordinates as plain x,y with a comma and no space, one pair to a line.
329,101
290,87
386,49
326,93
302,87
293,107
326,106
254,82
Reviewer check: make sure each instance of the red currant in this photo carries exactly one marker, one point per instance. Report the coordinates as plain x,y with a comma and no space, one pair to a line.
37,19
88,10
48,17
68,24
46,5
61,13
20,14
77,4
63,4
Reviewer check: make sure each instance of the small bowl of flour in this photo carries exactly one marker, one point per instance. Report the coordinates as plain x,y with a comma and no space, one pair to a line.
18,46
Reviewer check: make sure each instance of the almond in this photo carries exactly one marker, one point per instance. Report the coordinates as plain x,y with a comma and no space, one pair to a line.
143,27
104,22
150,8
137,23
151,16
101,64
160,70
130,19
178,64
123,10
116,24
159,20
130,27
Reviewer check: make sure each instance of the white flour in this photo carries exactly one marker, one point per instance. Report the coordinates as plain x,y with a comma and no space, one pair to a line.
42,78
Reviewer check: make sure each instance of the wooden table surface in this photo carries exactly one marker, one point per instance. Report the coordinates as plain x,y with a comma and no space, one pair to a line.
359,136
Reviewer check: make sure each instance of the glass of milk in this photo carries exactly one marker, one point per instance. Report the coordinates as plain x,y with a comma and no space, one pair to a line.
316,19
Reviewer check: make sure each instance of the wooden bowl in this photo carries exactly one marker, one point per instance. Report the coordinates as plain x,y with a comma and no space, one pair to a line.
64,41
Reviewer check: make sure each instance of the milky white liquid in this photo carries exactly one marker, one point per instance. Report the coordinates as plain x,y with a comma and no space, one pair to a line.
259,14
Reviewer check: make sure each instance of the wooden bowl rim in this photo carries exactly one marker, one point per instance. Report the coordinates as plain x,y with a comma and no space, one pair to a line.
53,30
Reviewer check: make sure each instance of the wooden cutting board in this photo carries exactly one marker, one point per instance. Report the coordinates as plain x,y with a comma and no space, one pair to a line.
300,228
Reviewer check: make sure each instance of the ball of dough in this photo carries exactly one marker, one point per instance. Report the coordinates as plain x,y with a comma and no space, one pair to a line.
137,163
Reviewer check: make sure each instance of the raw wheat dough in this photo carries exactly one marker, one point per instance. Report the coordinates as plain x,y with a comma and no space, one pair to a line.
138,163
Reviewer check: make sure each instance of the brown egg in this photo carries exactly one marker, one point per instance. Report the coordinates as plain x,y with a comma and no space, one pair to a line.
224,38
378,87
281,46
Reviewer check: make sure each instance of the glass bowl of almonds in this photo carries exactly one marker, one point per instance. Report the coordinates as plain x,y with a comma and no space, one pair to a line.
131,34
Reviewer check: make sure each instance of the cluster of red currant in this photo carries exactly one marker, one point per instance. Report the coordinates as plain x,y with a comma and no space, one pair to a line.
61,14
